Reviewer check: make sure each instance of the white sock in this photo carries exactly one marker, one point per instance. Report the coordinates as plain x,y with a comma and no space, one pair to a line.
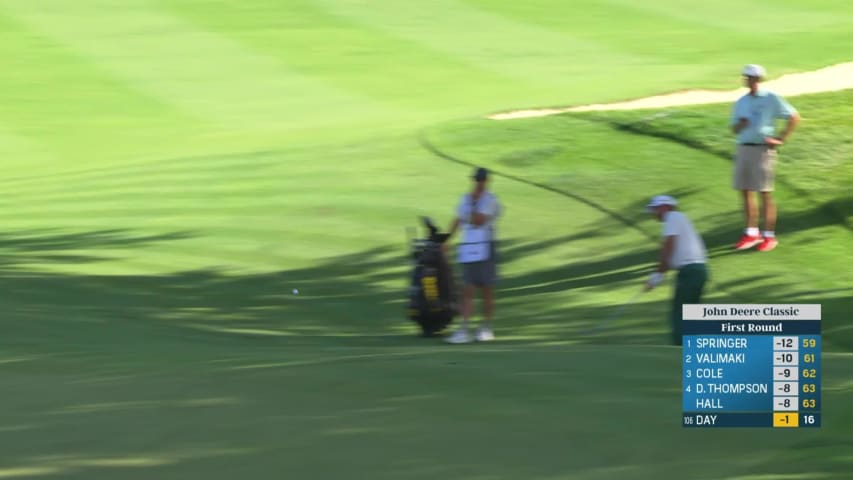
769,234
752,231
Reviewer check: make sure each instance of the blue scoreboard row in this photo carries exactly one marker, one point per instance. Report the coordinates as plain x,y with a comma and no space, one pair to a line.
743,366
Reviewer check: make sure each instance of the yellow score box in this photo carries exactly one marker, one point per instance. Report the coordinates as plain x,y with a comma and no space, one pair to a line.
786,420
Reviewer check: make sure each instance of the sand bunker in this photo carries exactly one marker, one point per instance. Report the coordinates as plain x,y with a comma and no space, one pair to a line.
836,77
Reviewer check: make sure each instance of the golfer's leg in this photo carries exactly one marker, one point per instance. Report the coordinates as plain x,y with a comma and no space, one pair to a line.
750,209
767,174
675,315
743,182
467,304
488,306
768,211
695,277
690,285
487,283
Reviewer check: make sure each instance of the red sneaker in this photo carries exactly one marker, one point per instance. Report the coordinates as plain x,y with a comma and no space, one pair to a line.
768,244
747,241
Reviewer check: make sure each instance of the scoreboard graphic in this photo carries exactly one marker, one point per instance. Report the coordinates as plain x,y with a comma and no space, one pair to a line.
751,365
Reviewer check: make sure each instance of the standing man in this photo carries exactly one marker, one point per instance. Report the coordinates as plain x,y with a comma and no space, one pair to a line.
753,122
682,250
476,214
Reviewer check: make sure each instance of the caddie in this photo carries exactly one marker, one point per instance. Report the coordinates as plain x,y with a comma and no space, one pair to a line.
477,253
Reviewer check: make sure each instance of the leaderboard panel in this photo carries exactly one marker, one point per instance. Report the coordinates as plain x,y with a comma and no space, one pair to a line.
751,366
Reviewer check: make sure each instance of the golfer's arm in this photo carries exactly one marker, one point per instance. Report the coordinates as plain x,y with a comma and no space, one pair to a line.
453,227
741,121
790,126
665,253
479,219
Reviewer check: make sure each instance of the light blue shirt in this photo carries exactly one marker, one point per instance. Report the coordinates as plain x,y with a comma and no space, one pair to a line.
761,110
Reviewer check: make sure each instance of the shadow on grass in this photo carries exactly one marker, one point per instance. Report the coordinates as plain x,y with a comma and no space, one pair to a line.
719,232
352,299
347,300
835,211
51,246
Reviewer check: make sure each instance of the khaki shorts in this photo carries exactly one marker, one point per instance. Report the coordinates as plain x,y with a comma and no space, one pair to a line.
755,168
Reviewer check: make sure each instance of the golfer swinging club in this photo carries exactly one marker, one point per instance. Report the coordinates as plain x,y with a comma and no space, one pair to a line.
476,214
682,250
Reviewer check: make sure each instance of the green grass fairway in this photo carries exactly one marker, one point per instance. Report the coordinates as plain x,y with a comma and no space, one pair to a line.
615,161
173,169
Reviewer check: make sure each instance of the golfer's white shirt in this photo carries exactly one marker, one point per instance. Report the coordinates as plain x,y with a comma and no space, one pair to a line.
476,239
689,247
487,204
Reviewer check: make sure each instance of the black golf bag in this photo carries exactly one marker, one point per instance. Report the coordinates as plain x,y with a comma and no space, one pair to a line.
433,301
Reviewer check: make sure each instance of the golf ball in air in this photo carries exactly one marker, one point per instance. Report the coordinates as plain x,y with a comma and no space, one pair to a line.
295,291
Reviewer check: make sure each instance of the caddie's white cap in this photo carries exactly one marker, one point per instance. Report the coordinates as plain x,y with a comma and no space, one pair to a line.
752,70
660,200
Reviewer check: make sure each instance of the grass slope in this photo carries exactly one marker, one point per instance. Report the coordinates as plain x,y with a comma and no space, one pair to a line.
617,160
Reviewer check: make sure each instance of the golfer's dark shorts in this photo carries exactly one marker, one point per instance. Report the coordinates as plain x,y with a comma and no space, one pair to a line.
689,286
481,274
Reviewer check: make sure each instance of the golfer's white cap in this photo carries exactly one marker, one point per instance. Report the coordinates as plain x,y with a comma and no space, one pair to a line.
752,70
660,200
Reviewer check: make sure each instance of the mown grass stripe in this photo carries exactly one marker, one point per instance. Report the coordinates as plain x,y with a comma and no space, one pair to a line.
57,105
531,54
209,75
349,54
733,15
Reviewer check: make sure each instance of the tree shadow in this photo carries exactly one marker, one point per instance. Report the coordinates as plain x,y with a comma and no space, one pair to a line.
344,296
719,231
53,246
246,323
836,211
350,299
836,305
515,249
833,212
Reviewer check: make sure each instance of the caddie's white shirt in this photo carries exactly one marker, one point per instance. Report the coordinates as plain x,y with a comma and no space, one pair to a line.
476,244
487,204
689,247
